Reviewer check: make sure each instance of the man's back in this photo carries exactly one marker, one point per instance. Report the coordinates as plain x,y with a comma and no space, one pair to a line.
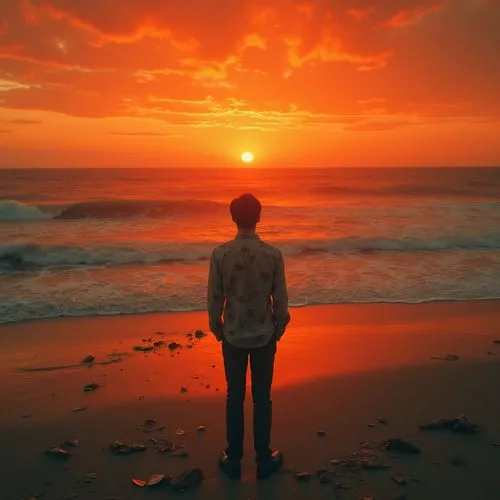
248,314
247,283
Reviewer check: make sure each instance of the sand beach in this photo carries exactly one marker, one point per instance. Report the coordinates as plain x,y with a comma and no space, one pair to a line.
348,378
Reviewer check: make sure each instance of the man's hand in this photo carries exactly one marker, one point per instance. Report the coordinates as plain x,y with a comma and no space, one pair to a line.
277,335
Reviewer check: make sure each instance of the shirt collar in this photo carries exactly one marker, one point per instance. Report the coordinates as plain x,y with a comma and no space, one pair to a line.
247,236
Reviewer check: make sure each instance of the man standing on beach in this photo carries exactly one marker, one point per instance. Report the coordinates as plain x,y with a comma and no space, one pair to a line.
248,313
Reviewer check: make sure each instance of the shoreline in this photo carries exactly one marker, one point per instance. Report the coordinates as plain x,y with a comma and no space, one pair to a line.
292,308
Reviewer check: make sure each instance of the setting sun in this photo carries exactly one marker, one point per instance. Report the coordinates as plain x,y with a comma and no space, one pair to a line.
247,157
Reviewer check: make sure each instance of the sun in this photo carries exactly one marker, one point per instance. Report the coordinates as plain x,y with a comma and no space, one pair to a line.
247,157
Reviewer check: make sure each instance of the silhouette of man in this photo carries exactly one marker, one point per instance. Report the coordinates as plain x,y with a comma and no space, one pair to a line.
248,313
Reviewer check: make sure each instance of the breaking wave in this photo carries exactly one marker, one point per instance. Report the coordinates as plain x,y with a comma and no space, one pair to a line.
12,210
26,255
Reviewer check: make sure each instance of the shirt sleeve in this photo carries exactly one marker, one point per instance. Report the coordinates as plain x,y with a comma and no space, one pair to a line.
280,298
215,297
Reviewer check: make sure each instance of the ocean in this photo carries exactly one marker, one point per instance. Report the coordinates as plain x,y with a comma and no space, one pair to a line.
79,242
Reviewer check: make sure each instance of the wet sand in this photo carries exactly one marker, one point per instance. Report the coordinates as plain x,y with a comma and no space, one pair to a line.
338,369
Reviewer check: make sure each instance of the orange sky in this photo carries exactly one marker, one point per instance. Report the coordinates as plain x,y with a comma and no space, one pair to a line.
162,83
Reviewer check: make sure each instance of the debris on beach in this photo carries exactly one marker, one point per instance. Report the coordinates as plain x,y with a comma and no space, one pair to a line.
496,341
151,425
73,443
180,432
189,479
371,425
157,479
342,486
184,389
303,476
382,420
154,480
399,479
91,387
321,433
79,408
491,353
90,476
400,446
143,348
121,448
166,446
173,346
200,428
88,359
57,451
26,414
496,444
199,334
447,357
458,424
376,465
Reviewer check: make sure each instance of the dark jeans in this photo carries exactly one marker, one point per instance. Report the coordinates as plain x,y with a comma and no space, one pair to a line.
262,367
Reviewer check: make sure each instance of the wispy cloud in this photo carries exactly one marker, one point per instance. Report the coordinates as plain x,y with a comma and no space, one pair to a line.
22,121
144,134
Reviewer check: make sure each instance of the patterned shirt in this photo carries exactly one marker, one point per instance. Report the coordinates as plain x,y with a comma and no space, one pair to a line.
247,296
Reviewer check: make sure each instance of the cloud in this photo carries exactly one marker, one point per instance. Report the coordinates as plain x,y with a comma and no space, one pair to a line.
378,126
360,14
412,15
330,49
144,134
331,59
22,121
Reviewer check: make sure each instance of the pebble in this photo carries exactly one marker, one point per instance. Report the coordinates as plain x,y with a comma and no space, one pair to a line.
399,479
303,476
401,446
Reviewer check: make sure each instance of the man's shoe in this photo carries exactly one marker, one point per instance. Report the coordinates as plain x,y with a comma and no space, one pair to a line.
231,468
269,466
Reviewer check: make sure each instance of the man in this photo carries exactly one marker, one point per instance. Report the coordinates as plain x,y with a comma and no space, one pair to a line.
248,313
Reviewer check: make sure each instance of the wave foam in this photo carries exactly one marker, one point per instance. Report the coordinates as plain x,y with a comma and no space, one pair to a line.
23,255
12,211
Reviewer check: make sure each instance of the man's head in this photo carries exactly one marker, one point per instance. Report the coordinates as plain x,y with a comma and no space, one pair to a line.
245,211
